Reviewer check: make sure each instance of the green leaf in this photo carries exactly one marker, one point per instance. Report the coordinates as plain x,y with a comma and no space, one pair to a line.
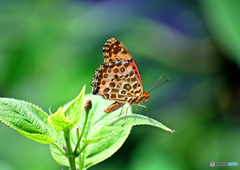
115,125
27,119
104,133
72,113
74,109
60,121
38,137
98,151
137,119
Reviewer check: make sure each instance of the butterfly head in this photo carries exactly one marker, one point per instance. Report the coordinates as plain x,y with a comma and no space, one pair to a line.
145,97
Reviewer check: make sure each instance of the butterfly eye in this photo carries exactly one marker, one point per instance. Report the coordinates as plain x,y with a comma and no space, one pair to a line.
145,100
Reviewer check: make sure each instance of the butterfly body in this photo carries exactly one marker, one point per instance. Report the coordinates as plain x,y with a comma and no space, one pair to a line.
118,78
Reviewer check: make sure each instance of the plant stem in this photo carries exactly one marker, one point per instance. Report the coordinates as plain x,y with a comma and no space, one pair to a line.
79,140
59,148
84,125
79,162
84,146
71,157
79,157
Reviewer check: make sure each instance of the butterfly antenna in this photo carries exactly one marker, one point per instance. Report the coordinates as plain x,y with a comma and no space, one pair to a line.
151,89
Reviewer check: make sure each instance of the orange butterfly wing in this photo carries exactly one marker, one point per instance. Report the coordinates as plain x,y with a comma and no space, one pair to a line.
118,78
113,49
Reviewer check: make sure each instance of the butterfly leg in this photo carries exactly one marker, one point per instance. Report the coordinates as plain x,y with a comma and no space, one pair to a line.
137,109
125,115
120,112
147,112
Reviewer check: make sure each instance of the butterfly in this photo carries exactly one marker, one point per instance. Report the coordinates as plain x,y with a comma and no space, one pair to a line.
118,78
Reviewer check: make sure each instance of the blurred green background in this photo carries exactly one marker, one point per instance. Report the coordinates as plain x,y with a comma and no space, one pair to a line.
49,50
